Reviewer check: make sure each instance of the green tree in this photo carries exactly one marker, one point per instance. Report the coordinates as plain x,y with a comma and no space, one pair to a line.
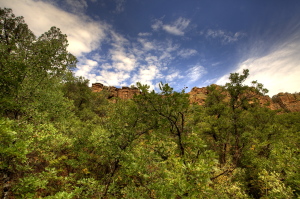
234,124
228,108
168,109
168,161
240,97
28,64
13,151
88,105
32,73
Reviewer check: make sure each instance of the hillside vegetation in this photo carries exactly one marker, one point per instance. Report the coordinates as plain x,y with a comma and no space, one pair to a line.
60,140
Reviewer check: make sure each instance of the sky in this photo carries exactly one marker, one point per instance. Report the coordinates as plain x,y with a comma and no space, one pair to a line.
186,43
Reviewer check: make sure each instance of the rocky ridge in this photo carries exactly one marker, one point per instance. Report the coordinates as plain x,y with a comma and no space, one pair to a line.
282,101
123,93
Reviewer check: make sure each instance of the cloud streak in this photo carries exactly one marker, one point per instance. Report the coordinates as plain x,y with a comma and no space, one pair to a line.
278,70
178,27
186,53
195,73
119,6
225,36
78,6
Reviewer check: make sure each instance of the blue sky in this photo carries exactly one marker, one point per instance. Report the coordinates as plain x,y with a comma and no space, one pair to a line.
185,43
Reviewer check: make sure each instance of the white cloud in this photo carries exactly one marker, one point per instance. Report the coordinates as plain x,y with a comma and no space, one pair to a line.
195,73
84,35
147,45
144,34
118,41
154,52
97,57
157,25
123,62
176,28
128,63
151,60
278,70
173,76
85,67
120,62
76,6
146,75
119,6
185,53
106,66
112,78
209,82
166,50
169,46
225,36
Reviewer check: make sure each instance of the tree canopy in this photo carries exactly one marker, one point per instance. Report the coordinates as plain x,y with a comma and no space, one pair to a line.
58,139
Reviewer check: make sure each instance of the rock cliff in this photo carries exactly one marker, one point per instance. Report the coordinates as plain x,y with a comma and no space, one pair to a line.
123,93
287,101
281,101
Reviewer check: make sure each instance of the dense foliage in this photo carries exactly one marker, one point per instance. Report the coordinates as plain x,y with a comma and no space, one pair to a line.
60,140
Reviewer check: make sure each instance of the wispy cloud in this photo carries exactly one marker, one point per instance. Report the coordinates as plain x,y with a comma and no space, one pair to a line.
195,73
123,61
131,62
112,78
147,45
78,6
144,34
186,53
119,6
173,76
85,67
278,70
176,28
146,75
120,64
225,36
145,61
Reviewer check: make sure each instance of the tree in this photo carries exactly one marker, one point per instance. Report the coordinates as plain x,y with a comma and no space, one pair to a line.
13,153
244,134
168,108
32,73
173,153
240,97
231,105
28,64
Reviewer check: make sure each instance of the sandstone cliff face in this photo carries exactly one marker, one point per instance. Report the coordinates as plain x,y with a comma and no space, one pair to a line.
123,93
198,95
282,101
287,101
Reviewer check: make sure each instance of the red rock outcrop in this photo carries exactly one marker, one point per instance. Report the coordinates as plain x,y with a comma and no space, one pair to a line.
123,93
198,95
287,101
282,101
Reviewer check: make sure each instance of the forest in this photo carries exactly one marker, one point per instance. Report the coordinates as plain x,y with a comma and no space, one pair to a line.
60,140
